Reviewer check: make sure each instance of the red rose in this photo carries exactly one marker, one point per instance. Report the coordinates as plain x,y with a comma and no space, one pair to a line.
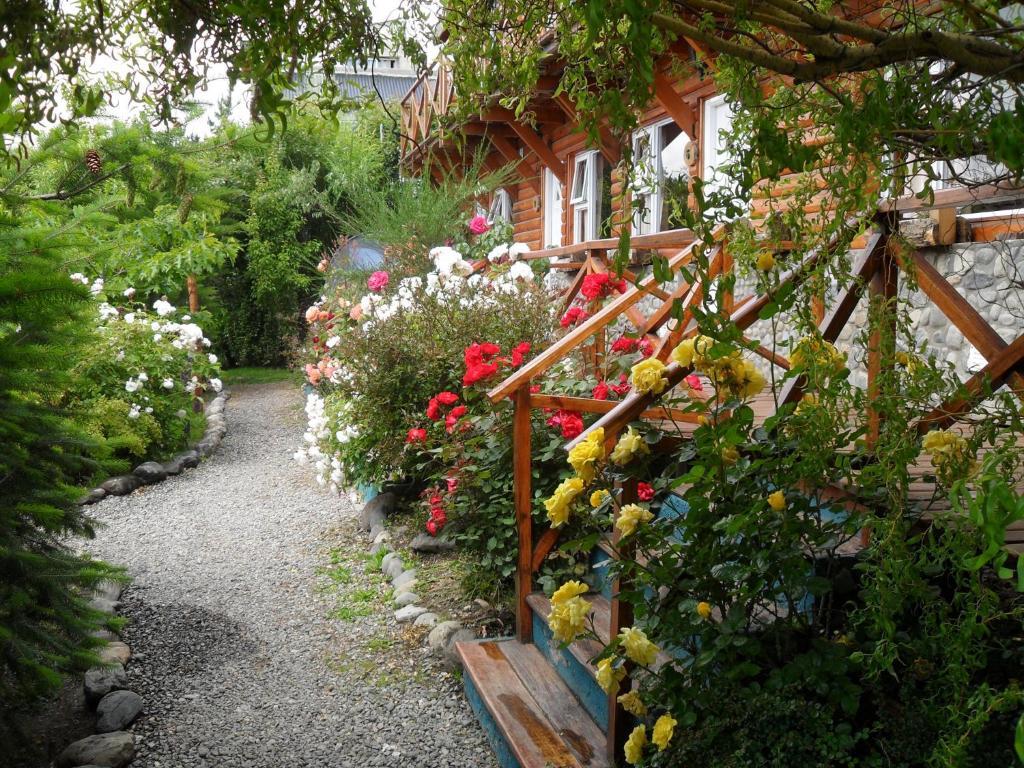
432,527
435,500
478,225
622,388
644,491
447,398
452,418
416,435
453,484
646,347
519,353
535,389
693,382
570,422
601,391
573,316
433,409
479,372
594,286
625,344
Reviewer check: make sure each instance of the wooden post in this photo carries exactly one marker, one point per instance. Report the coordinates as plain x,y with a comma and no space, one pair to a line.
522,495
621,615
193,293
881,344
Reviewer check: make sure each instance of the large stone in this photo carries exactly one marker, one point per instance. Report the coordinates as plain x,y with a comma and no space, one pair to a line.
150,472
376,509
439,635
99,681
117,710
408,586
96,494
391,565
110,750
103,604
406,598
115,652
424,542
189,459
121,485
409,613
451,657
404,578
110,590
425,620
175,466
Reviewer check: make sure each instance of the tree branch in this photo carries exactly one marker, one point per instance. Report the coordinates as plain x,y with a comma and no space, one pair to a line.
66,195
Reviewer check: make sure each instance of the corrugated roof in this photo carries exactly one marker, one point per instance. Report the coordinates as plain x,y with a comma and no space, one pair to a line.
390,87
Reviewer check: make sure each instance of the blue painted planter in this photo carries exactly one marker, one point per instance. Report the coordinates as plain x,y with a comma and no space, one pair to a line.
367,492
576,676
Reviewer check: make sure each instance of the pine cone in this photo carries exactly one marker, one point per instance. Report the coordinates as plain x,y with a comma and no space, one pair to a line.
93,161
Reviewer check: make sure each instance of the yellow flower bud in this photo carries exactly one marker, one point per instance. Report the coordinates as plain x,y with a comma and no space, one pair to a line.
765,261
777,501
704,610
632,703
608,677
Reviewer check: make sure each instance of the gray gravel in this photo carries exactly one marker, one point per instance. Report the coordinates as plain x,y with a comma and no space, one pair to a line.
253,642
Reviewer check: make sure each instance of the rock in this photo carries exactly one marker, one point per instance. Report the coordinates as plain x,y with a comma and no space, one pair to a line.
150,472
110,750
375,548
391,565
404,578
439,635
376,509
175,466
451,657
976,281
110,590
425,620
121,485
104,605
188,459
409,586
377,530
406,598
117,710
96,494
424,542
104,634
115,652
99,681
383,536
409,613
205,447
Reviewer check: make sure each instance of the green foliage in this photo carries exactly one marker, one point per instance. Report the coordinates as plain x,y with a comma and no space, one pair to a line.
45,620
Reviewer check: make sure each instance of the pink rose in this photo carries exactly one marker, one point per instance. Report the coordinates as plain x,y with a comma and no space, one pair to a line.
312,314
478,225
694,383
378,281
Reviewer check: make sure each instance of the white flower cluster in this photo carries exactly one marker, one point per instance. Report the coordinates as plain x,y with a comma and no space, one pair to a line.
163,308
329,469
513,252
448,261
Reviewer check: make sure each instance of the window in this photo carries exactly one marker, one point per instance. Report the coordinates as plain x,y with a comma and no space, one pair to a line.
591,183
661,186
501,206
717,119
554,207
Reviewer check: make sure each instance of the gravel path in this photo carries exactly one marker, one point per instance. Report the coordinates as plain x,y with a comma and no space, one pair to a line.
261,636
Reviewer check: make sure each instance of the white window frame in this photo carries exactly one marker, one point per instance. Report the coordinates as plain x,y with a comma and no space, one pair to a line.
586,196
554,210
651,186
500,208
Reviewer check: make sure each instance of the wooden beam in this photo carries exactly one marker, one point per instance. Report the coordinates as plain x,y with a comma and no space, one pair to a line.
680,112
497,114
522,496
526,171
608,145
882,342
590,405
530,138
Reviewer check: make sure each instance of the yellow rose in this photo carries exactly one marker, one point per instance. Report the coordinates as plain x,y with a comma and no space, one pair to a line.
587,454
630,516
568,617
638,647
662,733
777,501
597,498
815,352
634,747
630,444
693,352
950,455
608,677
568,591
649,376
704,610
730,456
632,703
561,500
765,261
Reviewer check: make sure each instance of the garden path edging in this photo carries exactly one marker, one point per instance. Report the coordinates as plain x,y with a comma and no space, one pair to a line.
152,472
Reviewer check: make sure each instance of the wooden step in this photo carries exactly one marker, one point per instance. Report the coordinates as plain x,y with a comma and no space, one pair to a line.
534,710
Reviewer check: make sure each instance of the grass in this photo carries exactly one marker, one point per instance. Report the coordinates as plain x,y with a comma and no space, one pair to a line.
351,612
236,376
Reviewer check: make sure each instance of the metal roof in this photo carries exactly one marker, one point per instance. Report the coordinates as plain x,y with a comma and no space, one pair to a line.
390,87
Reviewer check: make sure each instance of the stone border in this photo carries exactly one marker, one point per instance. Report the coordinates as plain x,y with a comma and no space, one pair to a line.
150,472
443,634
106,690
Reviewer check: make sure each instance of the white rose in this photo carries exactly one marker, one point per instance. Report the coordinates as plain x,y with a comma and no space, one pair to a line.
212,358
168,383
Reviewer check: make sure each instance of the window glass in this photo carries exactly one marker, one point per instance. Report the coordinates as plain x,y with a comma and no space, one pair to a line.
501,206
553,210
674,178
580,179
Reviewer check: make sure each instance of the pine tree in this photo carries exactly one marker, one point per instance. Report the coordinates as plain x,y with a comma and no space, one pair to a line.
46,625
